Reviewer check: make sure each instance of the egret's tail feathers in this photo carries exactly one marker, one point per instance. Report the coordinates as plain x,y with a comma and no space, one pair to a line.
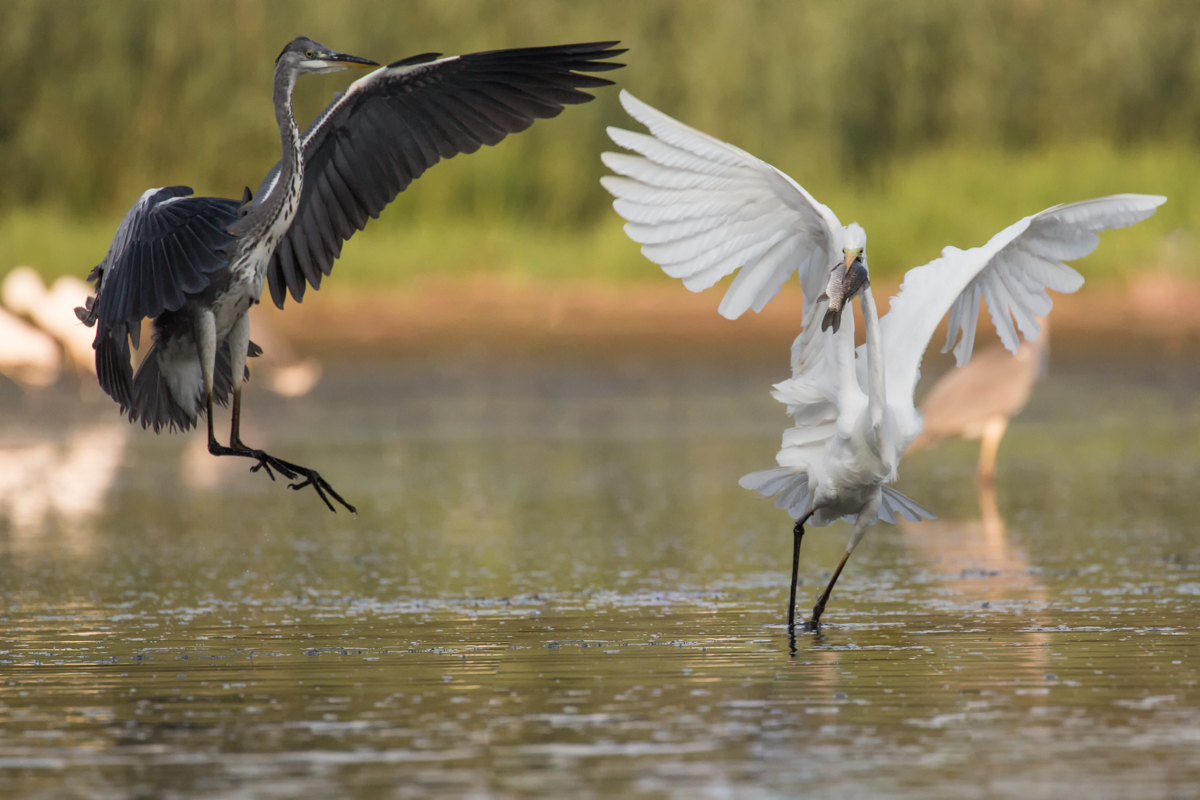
790,485
894,504
155,406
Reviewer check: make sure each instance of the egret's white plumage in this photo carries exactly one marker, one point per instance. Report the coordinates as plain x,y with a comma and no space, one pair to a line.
703,208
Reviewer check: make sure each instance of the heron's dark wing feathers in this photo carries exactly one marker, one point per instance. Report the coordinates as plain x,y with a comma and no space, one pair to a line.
163,250
383,132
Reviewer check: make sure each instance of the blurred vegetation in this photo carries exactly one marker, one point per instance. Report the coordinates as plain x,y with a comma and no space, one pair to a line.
930,122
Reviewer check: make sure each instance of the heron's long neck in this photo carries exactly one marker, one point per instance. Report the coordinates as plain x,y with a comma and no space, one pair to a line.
876,390
289,134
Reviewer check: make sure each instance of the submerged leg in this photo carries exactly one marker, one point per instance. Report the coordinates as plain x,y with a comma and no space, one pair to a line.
239,343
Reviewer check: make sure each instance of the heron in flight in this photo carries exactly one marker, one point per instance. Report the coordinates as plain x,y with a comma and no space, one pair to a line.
702,209
195,265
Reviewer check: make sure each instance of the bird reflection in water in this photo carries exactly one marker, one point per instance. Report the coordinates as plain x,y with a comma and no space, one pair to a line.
976,558
63,482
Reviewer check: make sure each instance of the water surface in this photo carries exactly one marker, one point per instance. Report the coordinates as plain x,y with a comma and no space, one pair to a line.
554,587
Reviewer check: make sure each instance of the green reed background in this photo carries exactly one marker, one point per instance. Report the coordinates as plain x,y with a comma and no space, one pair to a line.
930,123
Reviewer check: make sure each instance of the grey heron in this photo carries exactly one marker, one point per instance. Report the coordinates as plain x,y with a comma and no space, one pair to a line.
195,265
977,400
703,209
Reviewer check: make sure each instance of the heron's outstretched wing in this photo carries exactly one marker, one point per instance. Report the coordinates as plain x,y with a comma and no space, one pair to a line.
1011,273
165,248
387,128
702,208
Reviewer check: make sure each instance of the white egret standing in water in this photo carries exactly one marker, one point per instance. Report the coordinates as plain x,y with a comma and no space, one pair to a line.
702,209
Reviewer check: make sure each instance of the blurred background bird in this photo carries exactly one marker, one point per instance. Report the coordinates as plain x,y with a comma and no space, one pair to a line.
977,400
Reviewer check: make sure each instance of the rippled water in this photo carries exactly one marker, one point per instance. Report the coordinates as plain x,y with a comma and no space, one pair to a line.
555,587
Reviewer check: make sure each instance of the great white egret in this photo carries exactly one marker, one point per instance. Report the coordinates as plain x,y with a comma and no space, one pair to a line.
702,209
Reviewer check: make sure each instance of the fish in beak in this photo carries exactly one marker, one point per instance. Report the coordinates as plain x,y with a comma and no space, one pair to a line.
846,281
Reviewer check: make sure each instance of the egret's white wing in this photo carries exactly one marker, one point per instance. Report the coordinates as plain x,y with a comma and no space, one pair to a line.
702,208
1011,273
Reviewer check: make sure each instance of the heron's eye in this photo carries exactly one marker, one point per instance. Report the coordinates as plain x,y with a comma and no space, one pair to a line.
309,54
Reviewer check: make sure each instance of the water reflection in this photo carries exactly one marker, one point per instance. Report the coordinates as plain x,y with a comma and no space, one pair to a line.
60,485
555,586
977,557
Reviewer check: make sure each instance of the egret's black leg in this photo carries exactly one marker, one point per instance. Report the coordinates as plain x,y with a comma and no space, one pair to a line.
814,624
797,537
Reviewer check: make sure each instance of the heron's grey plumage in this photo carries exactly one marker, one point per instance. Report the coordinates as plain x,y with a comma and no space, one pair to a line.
176,257
196,265
168,248
387,128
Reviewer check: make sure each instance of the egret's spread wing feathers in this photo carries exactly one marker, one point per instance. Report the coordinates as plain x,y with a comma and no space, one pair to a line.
1010,273
165,248
702,209
384,131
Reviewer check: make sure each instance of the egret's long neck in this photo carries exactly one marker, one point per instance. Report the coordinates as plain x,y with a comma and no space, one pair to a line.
876,390
849,395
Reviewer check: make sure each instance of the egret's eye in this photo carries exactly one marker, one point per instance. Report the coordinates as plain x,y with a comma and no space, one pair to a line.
309,54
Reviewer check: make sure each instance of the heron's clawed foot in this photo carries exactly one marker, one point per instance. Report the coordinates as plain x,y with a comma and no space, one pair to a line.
271,465
287,469
324,490
812,625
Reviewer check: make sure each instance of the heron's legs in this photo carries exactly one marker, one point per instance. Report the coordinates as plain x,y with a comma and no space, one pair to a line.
989,444
239,343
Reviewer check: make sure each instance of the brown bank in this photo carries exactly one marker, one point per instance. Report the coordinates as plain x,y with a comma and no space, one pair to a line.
499,317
